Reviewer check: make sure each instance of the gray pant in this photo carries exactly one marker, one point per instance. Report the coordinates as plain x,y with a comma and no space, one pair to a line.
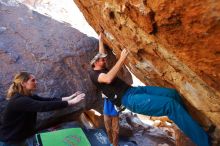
28,142
23,143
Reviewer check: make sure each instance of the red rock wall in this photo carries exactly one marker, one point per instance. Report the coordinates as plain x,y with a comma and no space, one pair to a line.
172,43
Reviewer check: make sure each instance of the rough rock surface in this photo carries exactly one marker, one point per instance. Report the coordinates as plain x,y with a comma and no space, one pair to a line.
56,53
140,129
171,44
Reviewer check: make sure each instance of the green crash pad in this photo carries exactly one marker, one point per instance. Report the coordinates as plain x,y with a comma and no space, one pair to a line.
64,137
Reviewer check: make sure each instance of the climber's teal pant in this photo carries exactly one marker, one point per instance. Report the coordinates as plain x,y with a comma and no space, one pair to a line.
157,101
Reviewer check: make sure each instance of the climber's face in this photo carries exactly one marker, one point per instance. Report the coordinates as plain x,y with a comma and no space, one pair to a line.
101,62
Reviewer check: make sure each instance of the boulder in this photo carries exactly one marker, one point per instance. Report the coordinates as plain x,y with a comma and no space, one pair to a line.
171,44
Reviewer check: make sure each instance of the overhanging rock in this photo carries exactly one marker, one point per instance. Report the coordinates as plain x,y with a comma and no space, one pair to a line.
171,44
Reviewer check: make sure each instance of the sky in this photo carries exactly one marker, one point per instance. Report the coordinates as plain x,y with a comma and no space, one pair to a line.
60,10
